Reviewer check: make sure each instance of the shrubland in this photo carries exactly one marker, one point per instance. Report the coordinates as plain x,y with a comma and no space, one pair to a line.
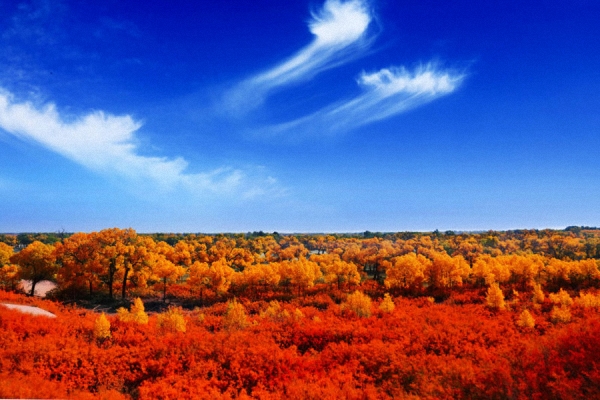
488,315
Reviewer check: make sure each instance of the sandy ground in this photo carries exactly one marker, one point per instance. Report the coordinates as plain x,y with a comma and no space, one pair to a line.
29,310
41,288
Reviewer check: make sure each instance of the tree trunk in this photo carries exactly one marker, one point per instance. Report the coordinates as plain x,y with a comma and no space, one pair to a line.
124,283
33,283
111,275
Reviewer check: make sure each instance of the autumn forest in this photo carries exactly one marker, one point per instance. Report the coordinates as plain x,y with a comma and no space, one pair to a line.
438,315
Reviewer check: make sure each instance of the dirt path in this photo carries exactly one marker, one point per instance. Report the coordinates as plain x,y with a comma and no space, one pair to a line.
29,310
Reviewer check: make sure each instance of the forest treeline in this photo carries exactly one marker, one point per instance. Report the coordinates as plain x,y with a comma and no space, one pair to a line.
120,262
511,315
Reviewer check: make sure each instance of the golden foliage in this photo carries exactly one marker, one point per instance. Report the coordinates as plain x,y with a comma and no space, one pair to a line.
9,276
538,293
526,320
359,303
136,314
406,270
6,252
560,314
274,312
36,262
588,300
445,271
171,320
387,305
495,297
102,327
235,317
298,314
490,270
562,298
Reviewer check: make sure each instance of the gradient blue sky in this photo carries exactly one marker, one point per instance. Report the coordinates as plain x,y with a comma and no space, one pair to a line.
304,116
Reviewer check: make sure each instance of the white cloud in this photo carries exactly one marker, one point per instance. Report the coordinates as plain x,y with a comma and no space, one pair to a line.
385,93
107,144
341,33
340,30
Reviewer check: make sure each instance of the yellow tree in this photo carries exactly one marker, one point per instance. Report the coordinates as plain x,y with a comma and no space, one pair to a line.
182,253
221,275
407,271
387,304
260,276
470,249
445,271
198,248
495,297
79,264
538,293
260,246
359,303
163,268
6,252
171,320
301,274
136,314
36,262
199,276
137,256
218,276
524,268
587,270
526,320
235,317
102,327
559,271
375,256
9,273
111,248
334,269
488,269
288,248
9,276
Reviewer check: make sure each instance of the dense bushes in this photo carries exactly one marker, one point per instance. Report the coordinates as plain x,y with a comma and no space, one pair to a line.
425,317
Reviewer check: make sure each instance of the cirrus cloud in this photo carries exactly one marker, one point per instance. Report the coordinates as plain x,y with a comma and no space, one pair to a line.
340,30
108,144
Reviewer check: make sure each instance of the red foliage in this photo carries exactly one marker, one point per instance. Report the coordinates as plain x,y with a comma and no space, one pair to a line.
304,344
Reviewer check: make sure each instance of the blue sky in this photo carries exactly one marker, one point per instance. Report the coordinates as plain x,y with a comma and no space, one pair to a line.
305,116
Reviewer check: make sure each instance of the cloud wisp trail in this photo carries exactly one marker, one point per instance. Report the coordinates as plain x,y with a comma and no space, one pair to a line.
108,144
341,30
385,93
341,34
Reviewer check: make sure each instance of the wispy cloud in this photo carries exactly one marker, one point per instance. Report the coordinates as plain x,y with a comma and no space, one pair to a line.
385,93
340,30
107,144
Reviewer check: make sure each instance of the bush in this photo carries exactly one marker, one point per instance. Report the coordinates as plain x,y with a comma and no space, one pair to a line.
526,320
387,305
171,320
358,303
136,314
102,327
495,297
235,316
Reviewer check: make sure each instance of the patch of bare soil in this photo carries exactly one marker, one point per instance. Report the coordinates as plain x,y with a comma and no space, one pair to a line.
41,288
